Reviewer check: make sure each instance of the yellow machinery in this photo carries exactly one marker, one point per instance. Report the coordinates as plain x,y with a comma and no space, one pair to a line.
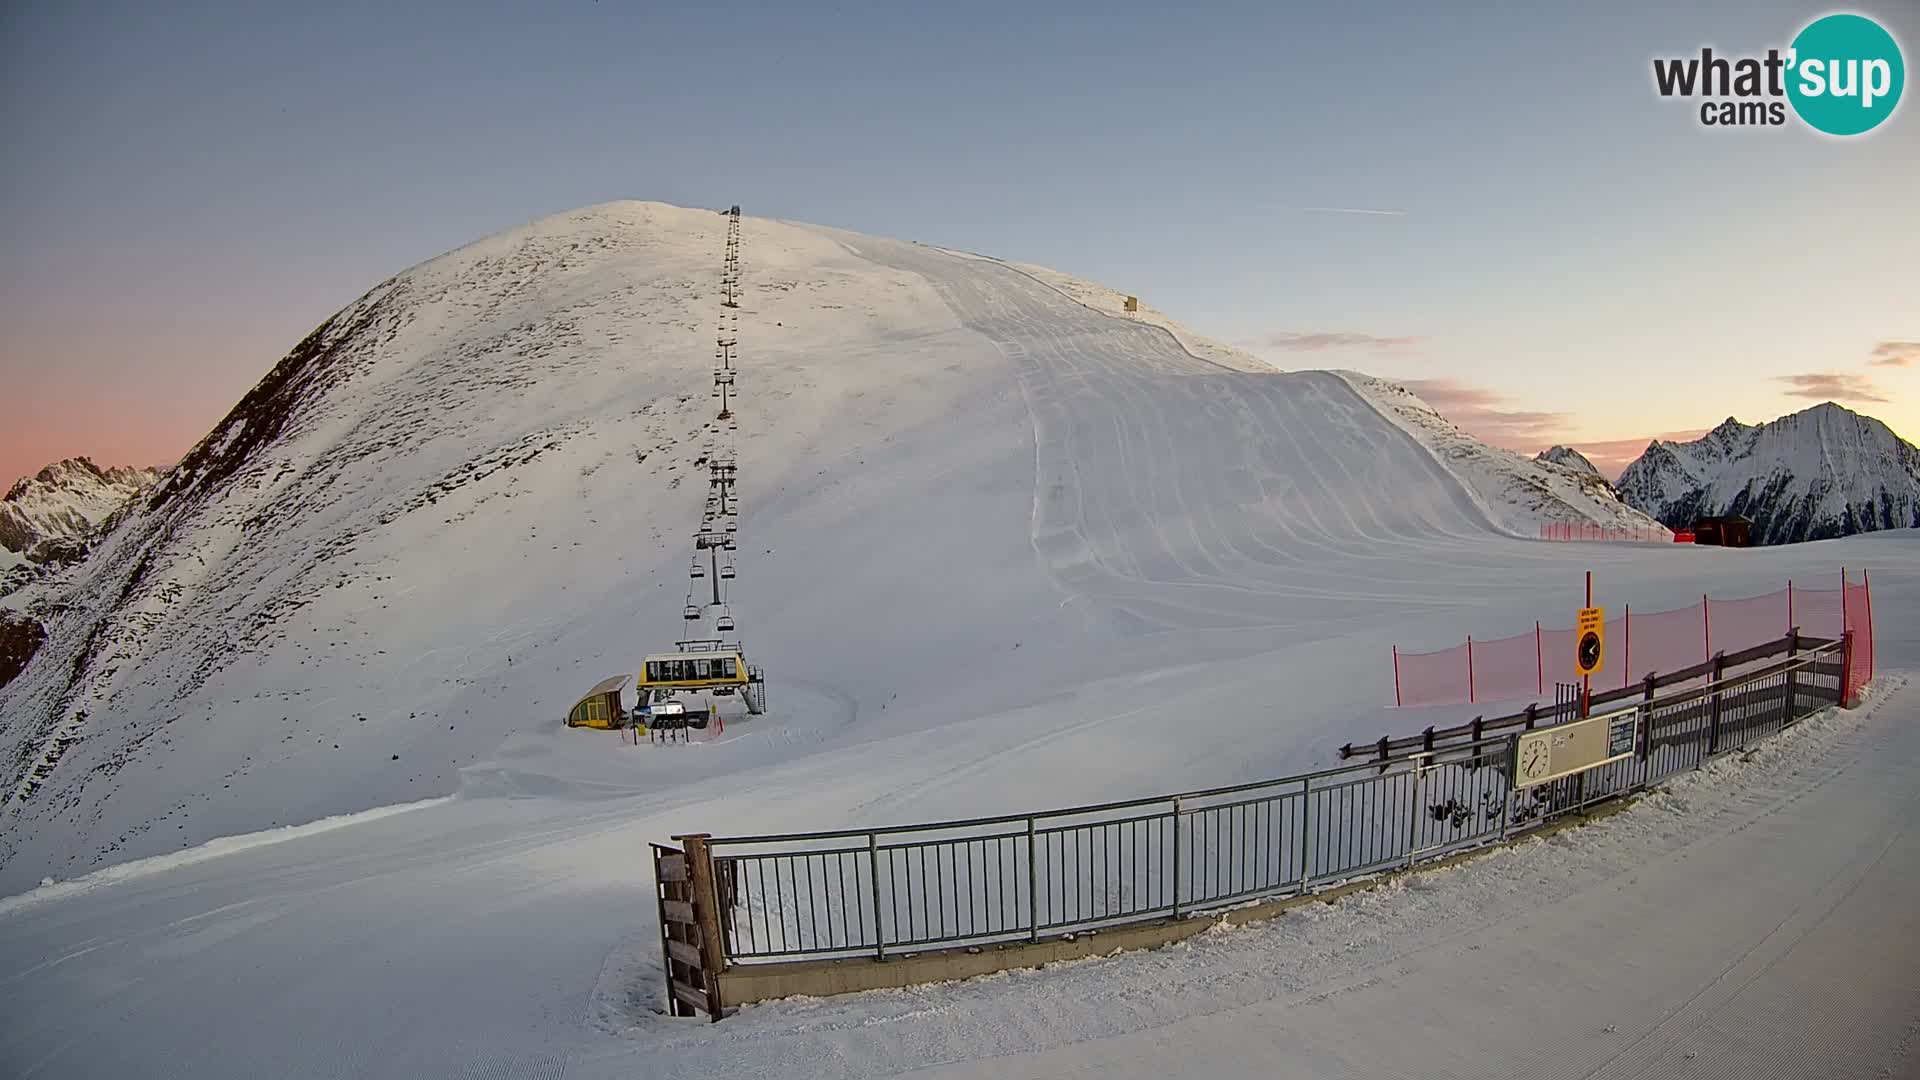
601,707
716,669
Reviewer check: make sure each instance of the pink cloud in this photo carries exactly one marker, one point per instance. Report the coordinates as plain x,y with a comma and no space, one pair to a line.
1483,414
1322,340
1895,353
1830,386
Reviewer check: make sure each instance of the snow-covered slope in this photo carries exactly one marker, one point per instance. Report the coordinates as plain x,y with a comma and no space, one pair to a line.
467,497
1516,492
1819,473
1113,302
65,501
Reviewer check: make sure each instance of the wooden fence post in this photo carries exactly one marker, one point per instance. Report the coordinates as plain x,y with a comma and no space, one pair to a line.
1793,650
1713,727
1706,625
1646,706
670,876
1846,668
706,912
1470,695
1626,666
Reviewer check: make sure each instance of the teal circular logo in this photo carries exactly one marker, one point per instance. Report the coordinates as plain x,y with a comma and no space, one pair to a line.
1845,74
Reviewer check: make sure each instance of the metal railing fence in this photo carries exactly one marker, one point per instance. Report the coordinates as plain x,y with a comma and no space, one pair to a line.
1063,872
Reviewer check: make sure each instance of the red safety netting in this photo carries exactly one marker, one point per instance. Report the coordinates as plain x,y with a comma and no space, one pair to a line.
1668,640
1818,613
1586,530
1435,678
1507,668
1556,653
1742,624
1526,666
1858,617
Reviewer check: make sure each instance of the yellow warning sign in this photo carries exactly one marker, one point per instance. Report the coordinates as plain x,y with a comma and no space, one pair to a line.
1591,641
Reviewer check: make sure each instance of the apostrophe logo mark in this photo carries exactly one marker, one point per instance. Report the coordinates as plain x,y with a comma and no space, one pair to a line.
1842,75
1846,74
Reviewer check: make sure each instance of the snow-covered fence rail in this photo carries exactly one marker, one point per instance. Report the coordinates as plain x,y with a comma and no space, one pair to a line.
889,891
1721,667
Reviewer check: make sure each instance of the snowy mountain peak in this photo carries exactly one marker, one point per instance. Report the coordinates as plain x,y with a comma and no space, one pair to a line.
65,501
1822,472
1567,457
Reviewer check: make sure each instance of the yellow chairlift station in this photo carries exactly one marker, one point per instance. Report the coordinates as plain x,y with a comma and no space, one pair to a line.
722,671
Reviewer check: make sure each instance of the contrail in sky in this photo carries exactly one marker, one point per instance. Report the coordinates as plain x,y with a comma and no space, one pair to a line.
1354,210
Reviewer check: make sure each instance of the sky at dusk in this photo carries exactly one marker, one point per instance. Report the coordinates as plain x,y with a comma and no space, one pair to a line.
1564,256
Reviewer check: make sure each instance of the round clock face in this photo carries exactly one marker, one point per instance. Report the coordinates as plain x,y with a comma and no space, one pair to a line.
1533,760
1589,651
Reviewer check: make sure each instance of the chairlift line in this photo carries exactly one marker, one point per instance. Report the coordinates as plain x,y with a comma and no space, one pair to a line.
709,662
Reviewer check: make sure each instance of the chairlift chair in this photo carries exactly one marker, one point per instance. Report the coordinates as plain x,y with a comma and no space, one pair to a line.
726,572
724,623
692,612
699,569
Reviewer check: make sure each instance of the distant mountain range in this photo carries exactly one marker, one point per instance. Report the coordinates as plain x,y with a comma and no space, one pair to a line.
47,517
1822,472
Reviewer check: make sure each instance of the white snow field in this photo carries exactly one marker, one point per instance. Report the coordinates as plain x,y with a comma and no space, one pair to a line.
1000,551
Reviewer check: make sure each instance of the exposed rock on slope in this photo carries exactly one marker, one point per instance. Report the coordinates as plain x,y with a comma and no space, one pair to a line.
1567,457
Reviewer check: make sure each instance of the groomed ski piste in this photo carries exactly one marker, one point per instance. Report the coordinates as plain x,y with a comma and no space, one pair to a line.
1011,550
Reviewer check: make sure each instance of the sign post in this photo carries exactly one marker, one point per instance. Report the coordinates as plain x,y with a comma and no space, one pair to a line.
1590,646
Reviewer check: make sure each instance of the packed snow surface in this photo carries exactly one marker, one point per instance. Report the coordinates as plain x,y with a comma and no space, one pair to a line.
1001,550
